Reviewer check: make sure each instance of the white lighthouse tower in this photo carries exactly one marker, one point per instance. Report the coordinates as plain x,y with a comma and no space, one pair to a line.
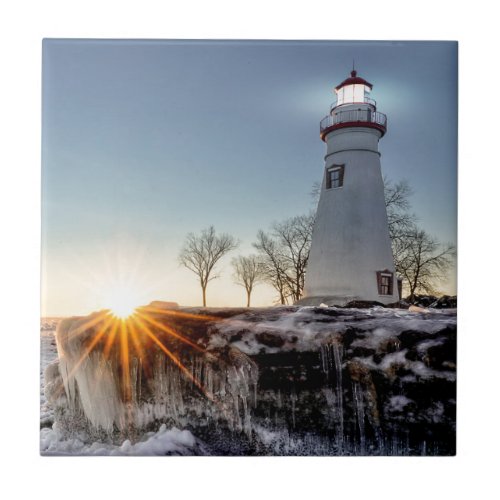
351,256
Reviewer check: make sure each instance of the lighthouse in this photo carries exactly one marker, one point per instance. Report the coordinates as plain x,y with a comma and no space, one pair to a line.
351,256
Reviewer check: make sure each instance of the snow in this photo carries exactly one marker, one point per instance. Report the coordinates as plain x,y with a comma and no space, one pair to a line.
375,338
398,359
398,403
424,346
164,442
333,333
377,327
48,353
53,441
395,358
321,325
425,372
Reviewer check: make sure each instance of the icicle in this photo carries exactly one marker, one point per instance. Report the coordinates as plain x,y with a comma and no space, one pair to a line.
331,358
94,385
293,399
360,414
424,449
340,396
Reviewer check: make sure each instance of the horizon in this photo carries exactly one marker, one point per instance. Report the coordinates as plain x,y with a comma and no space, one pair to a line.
129,127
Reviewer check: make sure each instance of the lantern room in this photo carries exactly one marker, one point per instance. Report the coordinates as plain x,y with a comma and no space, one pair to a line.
353,108
353,90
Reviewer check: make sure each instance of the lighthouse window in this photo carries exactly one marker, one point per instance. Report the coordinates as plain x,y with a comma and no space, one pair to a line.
384,281
334,176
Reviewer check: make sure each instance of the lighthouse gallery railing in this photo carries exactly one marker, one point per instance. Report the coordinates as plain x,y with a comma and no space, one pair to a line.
356,115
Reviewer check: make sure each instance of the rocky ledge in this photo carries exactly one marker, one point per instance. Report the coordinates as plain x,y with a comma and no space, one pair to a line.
276,381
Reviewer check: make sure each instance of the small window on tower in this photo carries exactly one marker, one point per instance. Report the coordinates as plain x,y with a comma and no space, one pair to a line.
334,176
384,282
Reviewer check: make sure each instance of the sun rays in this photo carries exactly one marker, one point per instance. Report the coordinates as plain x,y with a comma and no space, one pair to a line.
128,335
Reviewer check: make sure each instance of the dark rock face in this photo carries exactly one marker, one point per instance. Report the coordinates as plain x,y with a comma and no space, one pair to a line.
269,340
444,302
294,381
363,304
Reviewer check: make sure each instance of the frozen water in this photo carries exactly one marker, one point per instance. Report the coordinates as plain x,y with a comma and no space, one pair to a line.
48,353
230,398
319,325
398,403
331,357
97,398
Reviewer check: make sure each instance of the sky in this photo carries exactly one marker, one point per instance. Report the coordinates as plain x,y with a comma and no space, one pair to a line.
145,141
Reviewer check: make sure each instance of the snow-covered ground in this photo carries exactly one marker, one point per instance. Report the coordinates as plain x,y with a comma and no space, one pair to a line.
164,442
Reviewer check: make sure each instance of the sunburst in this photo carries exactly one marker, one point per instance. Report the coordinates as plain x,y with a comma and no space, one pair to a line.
125,330
122,301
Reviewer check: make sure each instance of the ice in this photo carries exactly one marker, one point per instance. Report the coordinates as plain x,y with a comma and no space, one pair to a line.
163,442
360,415
351,371
103,398
331,357
48,354
426,373
395,358
376,337
315,329
424,346
398,359
398,403
92,375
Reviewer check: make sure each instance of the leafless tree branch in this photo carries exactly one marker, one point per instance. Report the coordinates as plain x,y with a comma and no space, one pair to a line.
248,272
202,252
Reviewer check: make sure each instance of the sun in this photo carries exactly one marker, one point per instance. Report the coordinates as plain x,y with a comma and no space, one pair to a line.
122,301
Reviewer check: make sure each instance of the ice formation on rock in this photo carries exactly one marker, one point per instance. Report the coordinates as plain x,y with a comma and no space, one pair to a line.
285,380
154,388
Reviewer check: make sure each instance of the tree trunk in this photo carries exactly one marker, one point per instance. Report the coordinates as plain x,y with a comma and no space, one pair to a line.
204,290
248,297
413,287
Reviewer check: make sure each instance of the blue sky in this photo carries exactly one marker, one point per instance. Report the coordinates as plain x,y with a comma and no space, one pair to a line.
144,141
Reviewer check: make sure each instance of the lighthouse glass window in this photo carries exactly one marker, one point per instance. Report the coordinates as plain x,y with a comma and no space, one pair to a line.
352,94
335,176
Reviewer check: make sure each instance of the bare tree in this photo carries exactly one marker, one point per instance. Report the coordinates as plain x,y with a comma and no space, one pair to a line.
401,222
201,253
424,262
248,272
398,206
420,259
295,237
285,252
315,192
273,265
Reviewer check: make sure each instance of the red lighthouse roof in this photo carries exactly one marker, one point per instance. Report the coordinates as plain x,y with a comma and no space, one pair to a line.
354,79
